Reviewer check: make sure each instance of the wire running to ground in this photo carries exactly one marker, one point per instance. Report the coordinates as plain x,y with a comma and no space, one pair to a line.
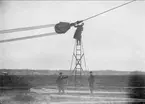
108,10
25,28
27,37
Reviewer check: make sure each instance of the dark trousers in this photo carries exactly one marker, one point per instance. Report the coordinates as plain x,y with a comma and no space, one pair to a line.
91,87
60,88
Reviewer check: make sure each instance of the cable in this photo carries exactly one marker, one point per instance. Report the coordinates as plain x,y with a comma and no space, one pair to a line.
25,28
49,25
28,37
107,11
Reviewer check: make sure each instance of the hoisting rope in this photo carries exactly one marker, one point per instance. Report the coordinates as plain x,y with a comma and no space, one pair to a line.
50,25
28,37
107,11
25,28
60,28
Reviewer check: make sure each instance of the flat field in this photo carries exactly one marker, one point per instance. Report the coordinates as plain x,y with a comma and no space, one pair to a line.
108,90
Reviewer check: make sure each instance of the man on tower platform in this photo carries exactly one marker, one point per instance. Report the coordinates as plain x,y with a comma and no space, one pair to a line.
78,33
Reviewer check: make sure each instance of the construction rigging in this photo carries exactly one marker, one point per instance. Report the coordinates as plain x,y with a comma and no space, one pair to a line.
60,28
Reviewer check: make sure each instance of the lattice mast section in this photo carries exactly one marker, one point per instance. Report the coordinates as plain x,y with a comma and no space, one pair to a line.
78,63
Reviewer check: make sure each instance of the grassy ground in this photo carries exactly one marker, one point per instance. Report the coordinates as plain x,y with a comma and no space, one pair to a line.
108,90
41,80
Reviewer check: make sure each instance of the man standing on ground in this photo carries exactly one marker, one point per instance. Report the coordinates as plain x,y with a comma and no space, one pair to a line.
60,82
91,81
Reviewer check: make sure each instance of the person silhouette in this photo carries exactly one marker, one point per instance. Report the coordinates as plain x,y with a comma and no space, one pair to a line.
91,81
60,83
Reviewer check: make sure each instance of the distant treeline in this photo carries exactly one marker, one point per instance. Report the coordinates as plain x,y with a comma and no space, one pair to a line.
55,72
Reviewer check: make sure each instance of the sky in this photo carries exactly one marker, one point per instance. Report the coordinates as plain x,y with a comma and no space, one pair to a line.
112,41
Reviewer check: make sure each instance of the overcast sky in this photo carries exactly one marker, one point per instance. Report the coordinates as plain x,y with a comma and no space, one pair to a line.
114,40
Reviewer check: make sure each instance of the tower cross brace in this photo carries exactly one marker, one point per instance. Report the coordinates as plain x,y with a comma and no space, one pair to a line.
77,65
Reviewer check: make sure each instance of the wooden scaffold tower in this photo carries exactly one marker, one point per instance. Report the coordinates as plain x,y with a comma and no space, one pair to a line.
78,63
